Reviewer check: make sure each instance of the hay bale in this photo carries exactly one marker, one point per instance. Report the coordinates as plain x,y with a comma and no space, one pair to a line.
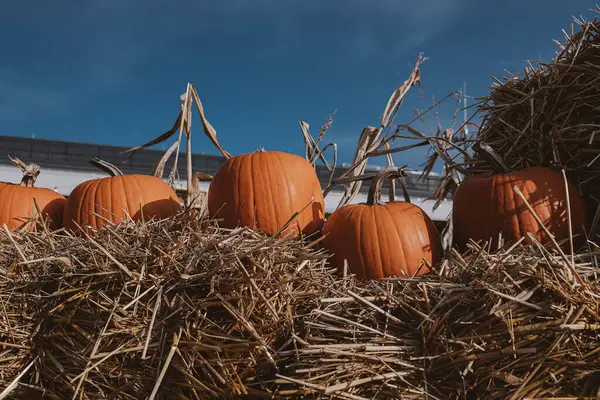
550,115
515,324
181,309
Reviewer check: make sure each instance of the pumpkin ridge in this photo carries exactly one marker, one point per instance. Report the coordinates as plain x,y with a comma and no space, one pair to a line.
377,247
408,267
280,216
106,197
272,206
128,198
508,209
93,218
1,209
10,203
127,209
524,218
499,202
30,207
237,204
243,205
548,207
31,210
344,216
399,239
129,185
282,171
252,192
111,184
80,210
417,218
361,253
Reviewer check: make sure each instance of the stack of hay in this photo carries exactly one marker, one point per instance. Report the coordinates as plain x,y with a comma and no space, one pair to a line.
550,116
180,309
176,309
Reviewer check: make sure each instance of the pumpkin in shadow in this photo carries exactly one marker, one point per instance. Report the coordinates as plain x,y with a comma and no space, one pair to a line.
486,207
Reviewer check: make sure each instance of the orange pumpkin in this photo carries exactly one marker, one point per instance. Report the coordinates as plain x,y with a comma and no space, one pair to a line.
486,206
17,206
96,202
382,240
264,190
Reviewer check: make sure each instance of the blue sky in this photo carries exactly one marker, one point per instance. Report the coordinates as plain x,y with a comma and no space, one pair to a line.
111,71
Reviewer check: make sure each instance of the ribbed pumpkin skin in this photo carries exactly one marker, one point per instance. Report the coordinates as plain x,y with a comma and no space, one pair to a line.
263,190
485,206
116,197
380,241
17,205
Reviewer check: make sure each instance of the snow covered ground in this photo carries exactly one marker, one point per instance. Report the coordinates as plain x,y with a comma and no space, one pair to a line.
63,181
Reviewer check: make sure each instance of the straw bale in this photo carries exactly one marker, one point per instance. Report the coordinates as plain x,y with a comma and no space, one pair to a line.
181,309
205,305
514,324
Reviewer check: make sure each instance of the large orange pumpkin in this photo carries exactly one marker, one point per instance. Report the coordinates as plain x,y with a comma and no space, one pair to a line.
486,206
17,206
382,240
264,190
117,198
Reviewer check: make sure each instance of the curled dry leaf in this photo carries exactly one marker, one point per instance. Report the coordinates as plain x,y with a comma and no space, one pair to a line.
208,128
159,168
158,139
397,97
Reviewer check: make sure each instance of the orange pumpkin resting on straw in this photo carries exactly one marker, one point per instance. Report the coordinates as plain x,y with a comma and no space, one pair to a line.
382,240
18,201
96,202
486,206
264,190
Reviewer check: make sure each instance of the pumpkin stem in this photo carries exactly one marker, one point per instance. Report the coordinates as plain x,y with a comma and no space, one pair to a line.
493,158
374,196
194,191
30,172
199,177
202,177
105,166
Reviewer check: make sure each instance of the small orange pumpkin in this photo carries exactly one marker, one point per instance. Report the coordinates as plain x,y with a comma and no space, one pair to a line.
486,206
17,205
264,190
382,240
96,202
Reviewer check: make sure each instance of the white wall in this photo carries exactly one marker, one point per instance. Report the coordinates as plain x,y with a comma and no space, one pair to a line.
64,181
